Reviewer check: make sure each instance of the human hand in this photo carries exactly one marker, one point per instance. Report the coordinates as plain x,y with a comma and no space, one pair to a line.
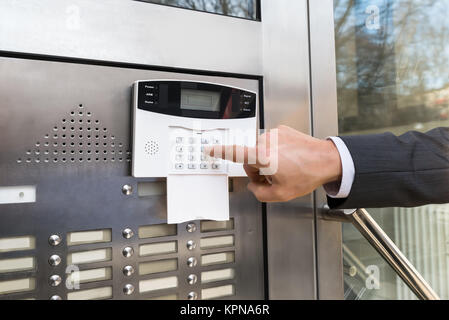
285,164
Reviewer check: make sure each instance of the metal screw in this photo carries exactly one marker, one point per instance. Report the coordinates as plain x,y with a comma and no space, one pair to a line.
192,262
55,280
55,298
128,252
352,271
191,227
192,296
128,233
192,279
54,240
127,190
191,245
128,271
54,260
128,289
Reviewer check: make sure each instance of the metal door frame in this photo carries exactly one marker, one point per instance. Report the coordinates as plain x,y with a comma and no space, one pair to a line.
325,124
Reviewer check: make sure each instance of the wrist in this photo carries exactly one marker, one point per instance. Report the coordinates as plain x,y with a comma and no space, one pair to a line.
332,163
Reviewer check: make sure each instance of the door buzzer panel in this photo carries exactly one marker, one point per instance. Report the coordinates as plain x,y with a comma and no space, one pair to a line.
77,225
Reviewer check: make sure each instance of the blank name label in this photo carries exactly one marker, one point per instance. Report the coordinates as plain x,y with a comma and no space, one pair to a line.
14,286
217,258
217,292
217,242
89,256
158,284
17,264
83,237
17,244
153,249
217,275
92,275
91,294
17,194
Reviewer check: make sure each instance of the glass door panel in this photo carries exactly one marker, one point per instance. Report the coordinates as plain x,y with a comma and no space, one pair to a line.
393,75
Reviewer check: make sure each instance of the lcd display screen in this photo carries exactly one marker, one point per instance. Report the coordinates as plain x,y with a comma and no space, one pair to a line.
200,100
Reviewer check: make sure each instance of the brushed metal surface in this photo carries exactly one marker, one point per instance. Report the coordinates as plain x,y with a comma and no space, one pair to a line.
80,196
131,31
148,34
291,255
325,124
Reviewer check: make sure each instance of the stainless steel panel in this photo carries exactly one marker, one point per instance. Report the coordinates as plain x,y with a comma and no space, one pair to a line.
147,34
291,255
325,124
78,196
131,31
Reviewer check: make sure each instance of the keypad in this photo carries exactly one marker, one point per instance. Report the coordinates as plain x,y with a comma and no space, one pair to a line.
188,147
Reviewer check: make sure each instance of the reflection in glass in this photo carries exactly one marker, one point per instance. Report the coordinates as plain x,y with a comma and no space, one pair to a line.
235,8
393,75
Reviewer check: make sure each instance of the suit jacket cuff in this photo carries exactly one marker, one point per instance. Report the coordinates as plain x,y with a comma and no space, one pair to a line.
342,189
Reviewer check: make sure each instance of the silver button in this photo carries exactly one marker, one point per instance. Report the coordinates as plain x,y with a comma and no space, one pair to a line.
192,140
191,157
203,157
205,141
179,140
217,141
191,149
192,279
55,280
128,271
179,166
179,157
215,166
128,233
179,149
192,262
192,166
54,260
191,227
204,166
54,240
128,252
192,296
55,297
127,190
191,245
128,289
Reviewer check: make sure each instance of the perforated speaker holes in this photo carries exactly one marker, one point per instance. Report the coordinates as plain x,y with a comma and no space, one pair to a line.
152,148
78,138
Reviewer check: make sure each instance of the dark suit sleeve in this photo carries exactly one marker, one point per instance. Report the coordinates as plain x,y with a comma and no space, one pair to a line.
390,171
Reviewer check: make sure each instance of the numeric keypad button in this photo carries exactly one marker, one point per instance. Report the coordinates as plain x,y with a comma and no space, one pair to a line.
179,166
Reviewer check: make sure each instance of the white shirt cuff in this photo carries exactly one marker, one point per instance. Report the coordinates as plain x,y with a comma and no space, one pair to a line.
342,189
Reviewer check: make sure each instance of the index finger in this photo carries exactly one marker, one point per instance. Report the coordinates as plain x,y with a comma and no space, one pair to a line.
237,154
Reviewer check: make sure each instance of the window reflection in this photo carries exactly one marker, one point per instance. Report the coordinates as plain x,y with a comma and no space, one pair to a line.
393,75
236,8
392,64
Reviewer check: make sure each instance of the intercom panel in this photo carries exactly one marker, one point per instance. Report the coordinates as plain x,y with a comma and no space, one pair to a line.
71,209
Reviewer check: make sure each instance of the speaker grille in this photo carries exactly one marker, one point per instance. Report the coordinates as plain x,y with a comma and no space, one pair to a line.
79,137
152,148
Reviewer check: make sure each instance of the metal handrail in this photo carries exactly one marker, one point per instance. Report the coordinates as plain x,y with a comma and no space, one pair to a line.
380,241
